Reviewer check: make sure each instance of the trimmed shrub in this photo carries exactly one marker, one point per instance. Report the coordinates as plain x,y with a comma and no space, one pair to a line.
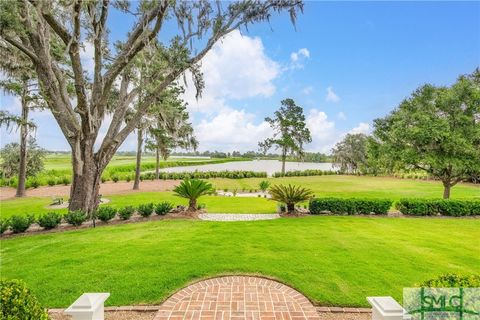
17,302
446,207
417,207
106,213
126,212
452,280
115,178
21,223
163,208
349,206
145,210
453,207
4,224
49,220
51,182
76,218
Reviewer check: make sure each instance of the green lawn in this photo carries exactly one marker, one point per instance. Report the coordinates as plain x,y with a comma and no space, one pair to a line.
332,260
359,186
336,186
64,161
215,204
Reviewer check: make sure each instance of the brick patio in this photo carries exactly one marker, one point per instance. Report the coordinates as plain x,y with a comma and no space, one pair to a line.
235,298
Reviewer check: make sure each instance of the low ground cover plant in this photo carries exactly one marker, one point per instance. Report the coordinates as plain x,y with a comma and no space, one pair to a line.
106,213
163,208
17,302
349,206
290,195
145,210
126,212
21,223
76,218
447,207
49,220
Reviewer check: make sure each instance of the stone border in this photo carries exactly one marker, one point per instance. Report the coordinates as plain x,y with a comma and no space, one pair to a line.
152,308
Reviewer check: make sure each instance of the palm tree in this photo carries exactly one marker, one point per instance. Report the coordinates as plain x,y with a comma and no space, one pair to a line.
290,195
21,81
192,189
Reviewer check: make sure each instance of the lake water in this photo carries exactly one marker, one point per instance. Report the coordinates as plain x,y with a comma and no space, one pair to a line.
269,166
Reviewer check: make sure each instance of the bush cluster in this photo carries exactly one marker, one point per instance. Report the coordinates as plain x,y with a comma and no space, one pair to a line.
163,208
349,206
452,280
105,213
17,302
239,174
446,207
305,173
51,220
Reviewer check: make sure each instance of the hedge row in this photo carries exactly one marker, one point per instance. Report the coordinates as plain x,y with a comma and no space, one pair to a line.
51,220
430,207
349,206
239,174
306,173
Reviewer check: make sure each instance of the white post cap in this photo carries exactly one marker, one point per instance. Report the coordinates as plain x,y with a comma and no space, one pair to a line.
386,308
87,304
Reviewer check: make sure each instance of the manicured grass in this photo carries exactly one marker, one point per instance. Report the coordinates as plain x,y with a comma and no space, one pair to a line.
332,260
323,186
359,186
215,204
64,161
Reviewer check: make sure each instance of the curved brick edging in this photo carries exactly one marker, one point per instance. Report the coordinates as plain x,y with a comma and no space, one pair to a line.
237,297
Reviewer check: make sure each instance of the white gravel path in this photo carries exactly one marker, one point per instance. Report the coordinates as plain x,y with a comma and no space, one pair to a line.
237,216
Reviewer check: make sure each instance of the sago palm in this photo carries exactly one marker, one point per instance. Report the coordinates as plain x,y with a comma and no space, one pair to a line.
192,189
290,195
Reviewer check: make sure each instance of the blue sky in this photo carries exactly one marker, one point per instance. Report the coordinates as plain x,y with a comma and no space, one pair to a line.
346,63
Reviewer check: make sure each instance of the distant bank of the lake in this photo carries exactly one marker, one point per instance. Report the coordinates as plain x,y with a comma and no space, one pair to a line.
269,166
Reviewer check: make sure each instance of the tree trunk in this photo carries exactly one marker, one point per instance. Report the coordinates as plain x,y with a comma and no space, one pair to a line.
192,205
22,170
87,174
290,207
136,183
284,158
446,189
157,163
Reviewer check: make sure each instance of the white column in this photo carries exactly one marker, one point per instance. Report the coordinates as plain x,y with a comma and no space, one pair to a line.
89,306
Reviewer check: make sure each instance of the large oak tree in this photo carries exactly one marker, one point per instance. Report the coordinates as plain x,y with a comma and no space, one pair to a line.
437,130
42,30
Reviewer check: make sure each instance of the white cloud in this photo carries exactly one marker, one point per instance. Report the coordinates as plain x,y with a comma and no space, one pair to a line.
323,131
297,58
332,96
301,53
341,115
231,130
361,128
236,68
307,90
87,57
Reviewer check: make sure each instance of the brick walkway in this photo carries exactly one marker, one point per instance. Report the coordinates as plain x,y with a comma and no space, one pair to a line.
236,298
